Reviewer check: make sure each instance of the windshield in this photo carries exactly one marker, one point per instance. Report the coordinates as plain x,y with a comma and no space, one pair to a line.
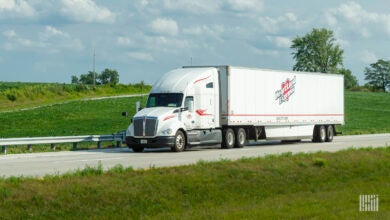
164,100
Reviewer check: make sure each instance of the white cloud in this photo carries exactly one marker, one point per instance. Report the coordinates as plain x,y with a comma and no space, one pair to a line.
284,42
86,11
368,57
51,40
124,41
140,56
15,8
358,19
206,31
287,21
246,5
165,26
197,7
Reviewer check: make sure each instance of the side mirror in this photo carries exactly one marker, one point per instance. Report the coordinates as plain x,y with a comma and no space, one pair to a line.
191,106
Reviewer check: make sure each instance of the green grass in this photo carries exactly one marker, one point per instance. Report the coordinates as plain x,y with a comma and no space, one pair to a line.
320,185
366,113
14,96
73,118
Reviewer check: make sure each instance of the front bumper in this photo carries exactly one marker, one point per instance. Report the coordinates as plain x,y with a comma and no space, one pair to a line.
156,142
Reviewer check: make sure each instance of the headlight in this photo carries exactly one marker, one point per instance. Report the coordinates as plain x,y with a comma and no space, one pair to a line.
167,131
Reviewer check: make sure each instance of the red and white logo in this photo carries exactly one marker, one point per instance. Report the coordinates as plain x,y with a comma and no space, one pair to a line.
286,91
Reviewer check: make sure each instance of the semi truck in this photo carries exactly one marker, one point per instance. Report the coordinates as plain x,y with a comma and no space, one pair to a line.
229,105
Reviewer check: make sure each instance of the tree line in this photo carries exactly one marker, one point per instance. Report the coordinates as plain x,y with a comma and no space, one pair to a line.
318,52
106,77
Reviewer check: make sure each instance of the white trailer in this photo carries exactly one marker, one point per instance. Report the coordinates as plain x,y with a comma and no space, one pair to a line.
227,105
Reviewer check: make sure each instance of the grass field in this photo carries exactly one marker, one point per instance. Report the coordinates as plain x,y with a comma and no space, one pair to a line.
17,95
320,185
366,113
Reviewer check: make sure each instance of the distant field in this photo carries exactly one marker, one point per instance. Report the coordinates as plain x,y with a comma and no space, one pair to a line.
366,113
17,95
303,186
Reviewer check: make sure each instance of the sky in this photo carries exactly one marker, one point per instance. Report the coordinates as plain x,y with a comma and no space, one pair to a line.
51,40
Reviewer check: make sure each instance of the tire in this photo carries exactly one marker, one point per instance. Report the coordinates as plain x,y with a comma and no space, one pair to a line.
228,138
329,133
240,138
321,133
180,142
137,149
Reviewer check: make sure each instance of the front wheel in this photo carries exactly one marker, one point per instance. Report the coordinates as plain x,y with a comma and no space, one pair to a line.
180,142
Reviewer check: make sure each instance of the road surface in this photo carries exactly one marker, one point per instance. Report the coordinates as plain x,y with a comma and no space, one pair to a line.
41,164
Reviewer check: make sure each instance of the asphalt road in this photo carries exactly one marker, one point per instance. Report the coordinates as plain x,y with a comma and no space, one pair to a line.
41,164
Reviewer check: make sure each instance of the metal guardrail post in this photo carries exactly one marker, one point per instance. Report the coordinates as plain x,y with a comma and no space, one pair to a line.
4,149
29,147
119,144
74,145
52,146
99,144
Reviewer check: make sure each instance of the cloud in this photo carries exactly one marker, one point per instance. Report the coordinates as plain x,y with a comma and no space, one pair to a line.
358,19
165,26
140,56
124,41
283,42
16,9
205,31
368,57
86,11
50,40
246,5
197,7
287,21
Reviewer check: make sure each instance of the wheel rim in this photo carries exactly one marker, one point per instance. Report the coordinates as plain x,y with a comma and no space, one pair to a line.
179,142
241,137
322,133
230,138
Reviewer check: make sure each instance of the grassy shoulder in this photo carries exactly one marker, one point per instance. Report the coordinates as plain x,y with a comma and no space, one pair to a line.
325,185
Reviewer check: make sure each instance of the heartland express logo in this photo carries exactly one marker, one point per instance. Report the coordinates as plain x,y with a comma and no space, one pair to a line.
287,90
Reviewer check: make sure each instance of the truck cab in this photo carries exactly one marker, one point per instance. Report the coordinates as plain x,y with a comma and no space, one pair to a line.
182,110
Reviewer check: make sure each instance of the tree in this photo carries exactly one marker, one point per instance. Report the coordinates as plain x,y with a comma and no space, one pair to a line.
378,75
350,80
75,80
109,76
317,52
87,78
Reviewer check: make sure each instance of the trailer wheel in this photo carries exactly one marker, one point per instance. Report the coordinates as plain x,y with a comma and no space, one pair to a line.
329,133
321,133
180,142
228,138
240,138
137,149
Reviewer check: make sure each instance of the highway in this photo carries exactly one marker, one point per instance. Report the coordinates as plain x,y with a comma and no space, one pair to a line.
41,164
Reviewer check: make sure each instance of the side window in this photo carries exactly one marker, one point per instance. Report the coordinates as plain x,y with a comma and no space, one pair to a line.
187,101
210,85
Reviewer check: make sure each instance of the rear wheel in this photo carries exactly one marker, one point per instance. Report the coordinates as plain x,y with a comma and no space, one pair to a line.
228,138
329,133
319,134
240,138
180,142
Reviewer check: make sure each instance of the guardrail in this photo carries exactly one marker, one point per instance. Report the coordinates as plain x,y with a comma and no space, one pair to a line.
118,138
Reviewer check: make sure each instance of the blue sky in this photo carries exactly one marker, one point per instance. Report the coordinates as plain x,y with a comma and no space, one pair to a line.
51,40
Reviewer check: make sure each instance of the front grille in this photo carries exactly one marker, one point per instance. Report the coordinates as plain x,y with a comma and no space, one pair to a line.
145,126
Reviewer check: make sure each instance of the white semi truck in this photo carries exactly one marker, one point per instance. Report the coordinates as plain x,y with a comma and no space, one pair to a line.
228,105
